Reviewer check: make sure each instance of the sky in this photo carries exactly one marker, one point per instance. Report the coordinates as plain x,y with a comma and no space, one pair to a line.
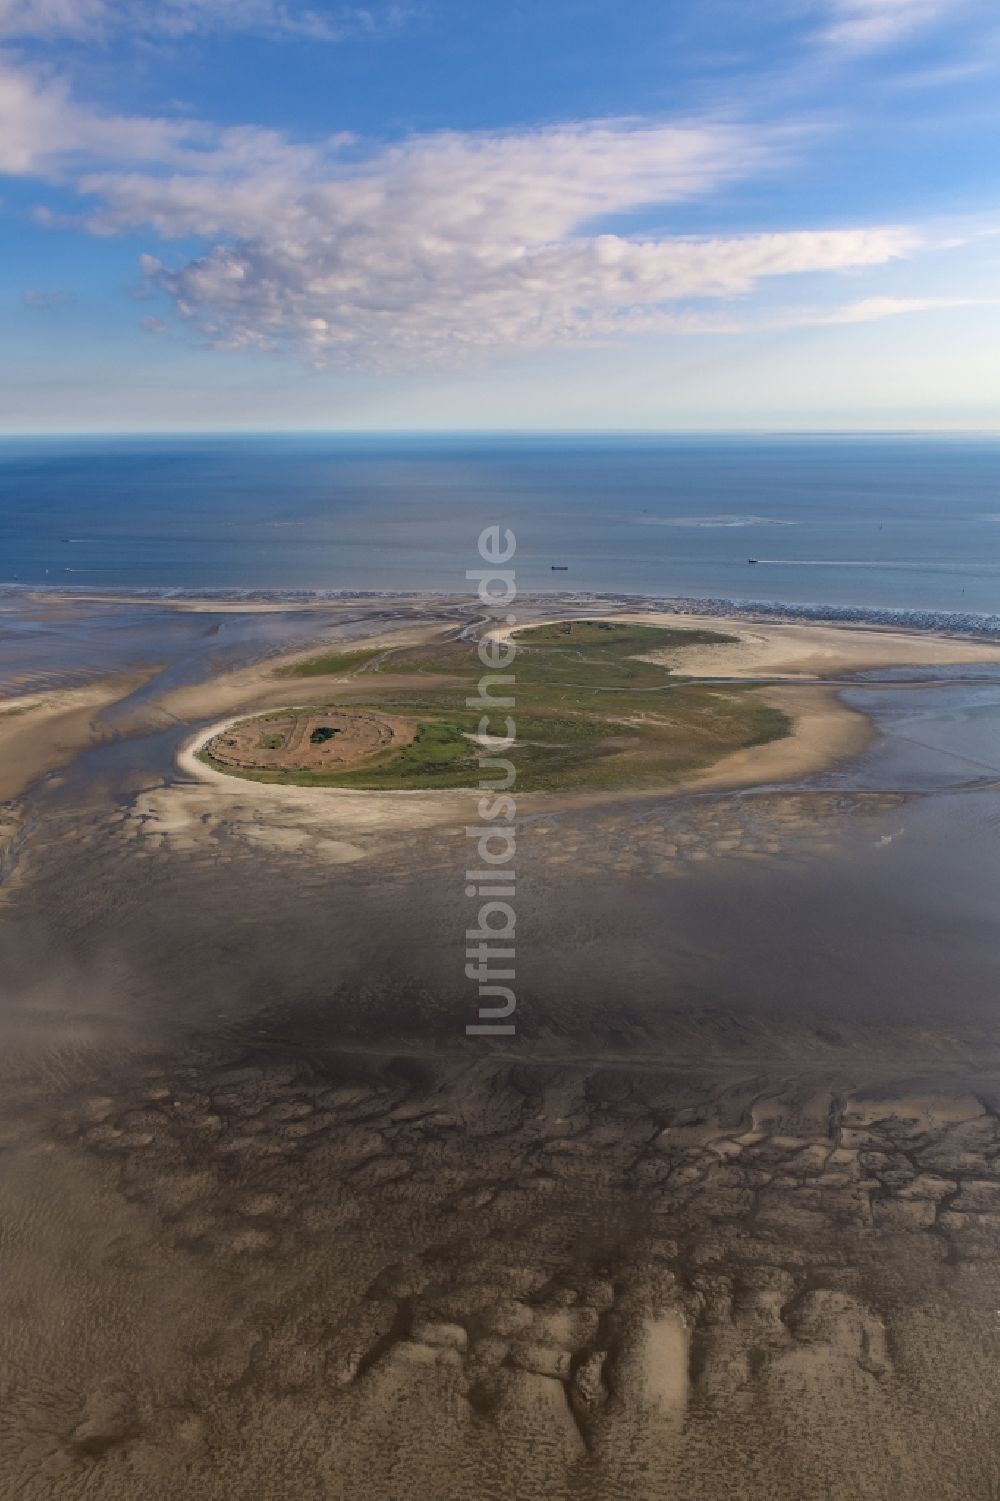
542,214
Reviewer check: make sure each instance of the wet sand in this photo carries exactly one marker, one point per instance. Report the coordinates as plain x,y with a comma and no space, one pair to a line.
40,731
720,1221
796,650
261,687
825,733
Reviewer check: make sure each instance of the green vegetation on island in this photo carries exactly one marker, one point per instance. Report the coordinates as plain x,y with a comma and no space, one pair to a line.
330,664
18,709
591,711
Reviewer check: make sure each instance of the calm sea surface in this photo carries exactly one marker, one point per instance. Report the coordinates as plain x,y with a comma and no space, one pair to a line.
877,523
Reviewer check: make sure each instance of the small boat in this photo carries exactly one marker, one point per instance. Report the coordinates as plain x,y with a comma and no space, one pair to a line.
752,560
560,567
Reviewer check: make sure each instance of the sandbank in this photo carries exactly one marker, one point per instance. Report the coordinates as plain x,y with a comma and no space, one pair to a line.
795,649
41,731
800,661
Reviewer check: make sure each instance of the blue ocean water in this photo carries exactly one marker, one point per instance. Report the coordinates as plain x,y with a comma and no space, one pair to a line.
862,523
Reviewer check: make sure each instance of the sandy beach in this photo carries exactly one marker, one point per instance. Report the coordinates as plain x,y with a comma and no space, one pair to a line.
825,733
335,825
795,650
787,649
201,604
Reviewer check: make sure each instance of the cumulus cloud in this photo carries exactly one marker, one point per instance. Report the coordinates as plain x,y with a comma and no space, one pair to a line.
428,249
452,244
85,20
348,298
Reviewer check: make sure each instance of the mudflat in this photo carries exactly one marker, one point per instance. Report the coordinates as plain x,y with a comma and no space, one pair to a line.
720,1220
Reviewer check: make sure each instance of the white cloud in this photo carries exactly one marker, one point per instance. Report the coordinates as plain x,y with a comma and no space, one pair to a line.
44,132
42,129
451,244
863,24
356,298
87,20
869,309
430,249
47,18
446,188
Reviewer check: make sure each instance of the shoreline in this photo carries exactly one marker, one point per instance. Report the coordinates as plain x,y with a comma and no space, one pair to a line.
792,659
797,651
974,625
825,733
44,730
798,665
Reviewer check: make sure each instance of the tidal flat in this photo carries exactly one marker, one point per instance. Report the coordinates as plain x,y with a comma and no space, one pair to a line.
720,1221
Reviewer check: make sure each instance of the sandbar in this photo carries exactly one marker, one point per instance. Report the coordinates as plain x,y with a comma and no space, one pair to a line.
41,731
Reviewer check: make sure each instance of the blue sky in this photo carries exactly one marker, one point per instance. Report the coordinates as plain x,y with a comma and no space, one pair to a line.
230,214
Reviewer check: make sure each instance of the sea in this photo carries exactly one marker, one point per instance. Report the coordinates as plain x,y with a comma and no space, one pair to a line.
888,527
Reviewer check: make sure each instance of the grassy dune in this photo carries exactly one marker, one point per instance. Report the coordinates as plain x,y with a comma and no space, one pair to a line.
330,663
589,712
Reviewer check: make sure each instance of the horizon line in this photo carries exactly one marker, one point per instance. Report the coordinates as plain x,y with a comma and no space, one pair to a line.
505,432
